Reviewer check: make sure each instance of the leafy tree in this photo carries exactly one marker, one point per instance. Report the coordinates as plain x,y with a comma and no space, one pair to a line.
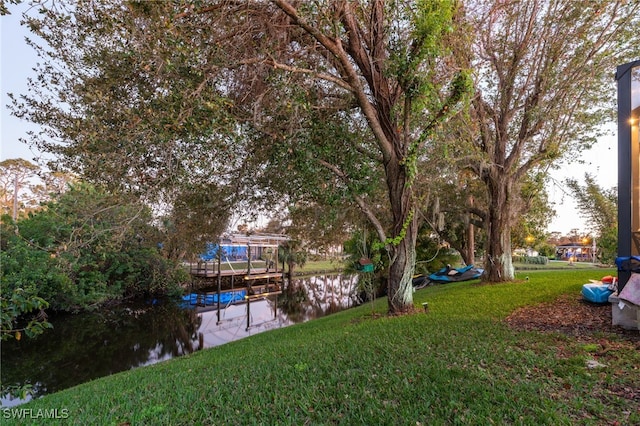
600,208
16,176
364,244
15,307
607,245
433,254
342,97
543,88
456,214
292,254
52,185
322,227
86,248
536,213
197,214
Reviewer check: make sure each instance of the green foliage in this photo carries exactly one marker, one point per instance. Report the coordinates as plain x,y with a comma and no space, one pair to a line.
292,253
542,94
305,102
431,255
600,207
17,191
536,212
547,250
84,249
533,260
597,205
429,21
15,307
607,246
395,241
364,244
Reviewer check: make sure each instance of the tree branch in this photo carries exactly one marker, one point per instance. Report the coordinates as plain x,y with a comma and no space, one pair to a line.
322,76
358,199
335,47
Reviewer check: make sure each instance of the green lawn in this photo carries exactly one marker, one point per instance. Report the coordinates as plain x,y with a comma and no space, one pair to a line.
320,266
457,364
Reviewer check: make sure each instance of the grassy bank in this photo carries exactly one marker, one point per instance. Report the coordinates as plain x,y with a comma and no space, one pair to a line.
457,364
331,266
318,267
558,265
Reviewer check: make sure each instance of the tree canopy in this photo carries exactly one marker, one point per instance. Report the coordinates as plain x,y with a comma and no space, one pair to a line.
599,207
336,103
339,97
16,186
82,249
543,88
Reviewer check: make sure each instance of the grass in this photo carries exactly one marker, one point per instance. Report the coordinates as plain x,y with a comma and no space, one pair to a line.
556,264
457,364
320,267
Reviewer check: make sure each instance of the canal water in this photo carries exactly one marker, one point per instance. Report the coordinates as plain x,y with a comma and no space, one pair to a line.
83,347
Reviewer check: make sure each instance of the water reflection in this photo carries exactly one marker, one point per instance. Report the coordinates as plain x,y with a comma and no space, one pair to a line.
86,346
316,296
83,347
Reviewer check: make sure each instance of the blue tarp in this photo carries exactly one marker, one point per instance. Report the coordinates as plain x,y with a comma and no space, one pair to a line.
628,263
229,253
212,298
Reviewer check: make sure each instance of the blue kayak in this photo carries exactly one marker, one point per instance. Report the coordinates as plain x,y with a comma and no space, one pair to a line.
449,274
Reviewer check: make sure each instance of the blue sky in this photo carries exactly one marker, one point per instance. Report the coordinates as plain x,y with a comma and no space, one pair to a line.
16,63
18,59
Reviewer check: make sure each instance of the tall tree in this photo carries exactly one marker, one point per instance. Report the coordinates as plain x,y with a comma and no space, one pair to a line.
543,88
183,93
86,247
15,183
600,207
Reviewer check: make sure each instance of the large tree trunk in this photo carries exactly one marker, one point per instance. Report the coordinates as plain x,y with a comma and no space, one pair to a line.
498,262
403,247
400,284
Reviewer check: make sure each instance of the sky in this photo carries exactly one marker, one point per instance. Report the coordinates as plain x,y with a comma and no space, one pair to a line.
18,59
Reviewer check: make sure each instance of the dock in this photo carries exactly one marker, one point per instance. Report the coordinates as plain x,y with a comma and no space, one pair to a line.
237,263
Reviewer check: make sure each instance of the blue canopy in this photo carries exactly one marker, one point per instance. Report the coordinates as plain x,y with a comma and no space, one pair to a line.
229,253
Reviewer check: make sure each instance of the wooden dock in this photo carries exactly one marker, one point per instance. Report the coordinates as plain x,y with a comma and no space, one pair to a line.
210,270
209,280
238,263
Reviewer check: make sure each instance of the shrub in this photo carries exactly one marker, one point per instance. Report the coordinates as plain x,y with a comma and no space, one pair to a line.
86,248
531,260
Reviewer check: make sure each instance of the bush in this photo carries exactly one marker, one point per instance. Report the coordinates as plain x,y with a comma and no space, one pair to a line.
608,246
86,248
546,249
531,260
